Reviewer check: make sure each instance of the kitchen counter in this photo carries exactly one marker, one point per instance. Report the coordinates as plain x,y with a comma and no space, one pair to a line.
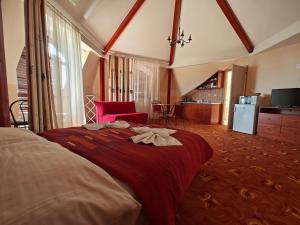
207,113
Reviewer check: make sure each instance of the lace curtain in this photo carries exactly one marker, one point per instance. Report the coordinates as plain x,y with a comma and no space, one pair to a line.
146,85
134,80
64,45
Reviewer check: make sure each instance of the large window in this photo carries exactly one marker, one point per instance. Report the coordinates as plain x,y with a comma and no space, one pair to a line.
64,46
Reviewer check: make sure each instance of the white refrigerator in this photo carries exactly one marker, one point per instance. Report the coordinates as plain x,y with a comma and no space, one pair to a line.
245,118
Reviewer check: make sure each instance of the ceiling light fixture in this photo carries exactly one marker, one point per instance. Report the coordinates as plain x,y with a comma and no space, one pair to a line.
180,38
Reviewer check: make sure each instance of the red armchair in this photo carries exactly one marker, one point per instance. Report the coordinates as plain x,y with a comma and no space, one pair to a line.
111,111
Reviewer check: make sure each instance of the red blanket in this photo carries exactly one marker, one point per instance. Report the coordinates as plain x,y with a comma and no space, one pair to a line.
159,176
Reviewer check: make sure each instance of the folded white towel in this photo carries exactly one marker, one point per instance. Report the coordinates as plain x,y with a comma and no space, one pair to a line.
94,126
98,126
118,124
155,136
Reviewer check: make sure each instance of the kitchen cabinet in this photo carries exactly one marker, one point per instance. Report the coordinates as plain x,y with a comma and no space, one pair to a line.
202,113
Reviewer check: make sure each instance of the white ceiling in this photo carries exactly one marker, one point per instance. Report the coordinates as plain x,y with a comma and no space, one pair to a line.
106,16
261,19
147,33
267,23
213,37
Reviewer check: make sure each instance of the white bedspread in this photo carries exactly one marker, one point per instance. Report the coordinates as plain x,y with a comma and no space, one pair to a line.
43,183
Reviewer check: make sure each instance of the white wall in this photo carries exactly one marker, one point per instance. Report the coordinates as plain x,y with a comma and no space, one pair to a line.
14,40
275,68
91,77
189,77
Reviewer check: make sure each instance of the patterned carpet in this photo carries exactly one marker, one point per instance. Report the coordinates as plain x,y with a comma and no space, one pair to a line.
249,181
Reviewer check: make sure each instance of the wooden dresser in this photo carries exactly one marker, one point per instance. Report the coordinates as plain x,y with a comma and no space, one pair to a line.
202,113
281,124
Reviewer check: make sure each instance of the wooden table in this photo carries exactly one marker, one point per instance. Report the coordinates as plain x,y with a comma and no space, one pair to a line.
166,109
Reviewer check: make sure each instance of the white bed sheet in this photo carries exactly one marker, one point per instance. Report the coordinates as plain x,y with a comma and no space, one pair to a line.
42,183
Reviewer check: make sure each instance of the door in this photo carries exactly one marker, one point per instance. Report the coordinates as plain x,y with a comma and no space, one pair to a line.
227,93
238,84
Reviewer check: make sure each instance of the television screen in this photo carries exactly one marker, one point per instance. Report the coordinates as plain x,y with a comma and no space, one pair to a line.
285,97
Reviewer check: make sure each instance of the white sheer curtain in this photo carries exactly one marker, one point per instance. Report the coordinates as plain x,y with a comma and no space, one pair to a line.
64,44
146,85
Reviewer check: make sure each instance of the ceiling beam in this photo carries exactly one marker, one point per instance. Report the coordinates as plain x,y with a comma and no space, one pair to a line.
123,25
233,20
177,11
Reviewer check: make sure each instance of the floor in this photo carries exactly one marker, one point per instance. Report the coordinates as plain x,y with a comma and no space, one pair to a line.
249,181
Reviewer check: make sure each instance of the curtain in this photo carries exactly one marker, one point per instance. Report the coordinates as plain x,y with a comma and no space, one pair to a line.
40,93
64,43
120,79
134,80
146,85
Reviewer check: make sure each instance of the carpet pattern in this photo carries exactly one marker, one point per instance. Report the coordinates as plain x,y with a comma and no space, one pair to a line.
249,181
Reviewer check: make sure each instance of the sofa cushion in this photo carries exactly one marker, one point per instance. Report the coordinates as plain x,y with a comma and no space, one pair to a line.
140,118
111,111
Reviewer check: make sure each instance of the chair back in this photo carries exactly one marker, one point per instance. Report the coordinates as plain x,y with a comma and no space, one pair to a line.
23,107
177,110
155,102
156,108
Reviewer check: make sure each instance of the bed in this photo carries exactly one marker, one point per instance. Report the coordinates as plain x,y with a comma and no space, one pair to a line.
150,179
43,183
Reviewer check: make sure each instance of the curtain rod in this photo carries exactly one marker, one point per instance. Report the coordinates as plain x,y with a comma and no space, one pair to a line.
120,54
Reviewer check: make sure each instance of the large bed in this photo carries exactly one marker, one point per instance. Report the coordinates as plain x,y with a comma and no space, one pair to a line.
126,183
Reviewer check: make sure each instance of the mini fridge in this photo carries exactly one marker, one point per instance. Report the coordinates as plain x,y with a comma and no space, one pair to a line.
245,118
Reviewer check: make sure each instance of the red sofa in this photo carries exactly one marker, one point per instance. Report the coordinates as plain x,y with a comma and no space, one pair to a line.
111,111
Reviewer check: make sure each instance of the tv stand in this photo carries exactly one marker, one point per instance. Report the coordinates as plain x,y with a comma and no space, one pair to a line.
279,124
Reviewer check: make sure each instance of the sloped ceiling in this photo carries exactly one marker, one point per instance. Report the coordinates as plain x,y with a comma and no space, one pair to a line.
213,37
147,33
267,23
264,18
105,17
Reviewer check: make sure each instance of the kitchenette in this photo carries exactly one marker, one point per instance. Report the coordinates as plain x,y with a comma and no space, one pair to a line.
204,104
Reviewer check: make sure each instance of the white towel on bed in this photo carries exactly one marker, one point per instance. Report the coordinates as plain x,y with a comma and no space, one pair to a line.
155,136
98,126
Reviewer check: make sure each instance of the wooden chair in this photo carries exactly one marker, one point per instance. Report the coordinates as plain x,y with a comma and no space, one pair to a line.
176,113
157,110
23,107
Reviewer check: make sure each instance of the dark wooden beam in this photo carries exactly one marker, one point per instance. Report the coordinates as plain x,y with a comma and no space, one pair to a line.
233,20
4,112
169,86
177,11
123,25
102,78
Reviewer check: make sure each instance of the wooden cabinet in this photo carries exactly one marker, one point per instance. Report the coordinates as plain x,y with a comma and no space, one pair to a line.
268,118
202,113
280,126
215,81
268,130
291,121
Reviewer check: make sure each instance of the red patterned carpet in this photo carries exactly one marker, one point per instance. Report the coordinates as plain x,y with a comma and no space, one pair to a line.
249,181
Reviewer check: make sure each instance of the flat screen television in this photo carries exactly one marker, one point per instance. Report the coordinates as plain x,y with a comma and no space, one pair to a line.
288,97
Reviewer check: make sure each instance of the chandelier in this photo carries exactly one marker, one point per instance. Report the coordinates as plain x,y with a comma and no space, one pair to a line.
179,39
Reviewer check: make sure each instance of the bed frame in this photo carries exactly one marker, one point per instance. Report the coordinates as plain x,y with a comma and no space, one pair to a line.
4,113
